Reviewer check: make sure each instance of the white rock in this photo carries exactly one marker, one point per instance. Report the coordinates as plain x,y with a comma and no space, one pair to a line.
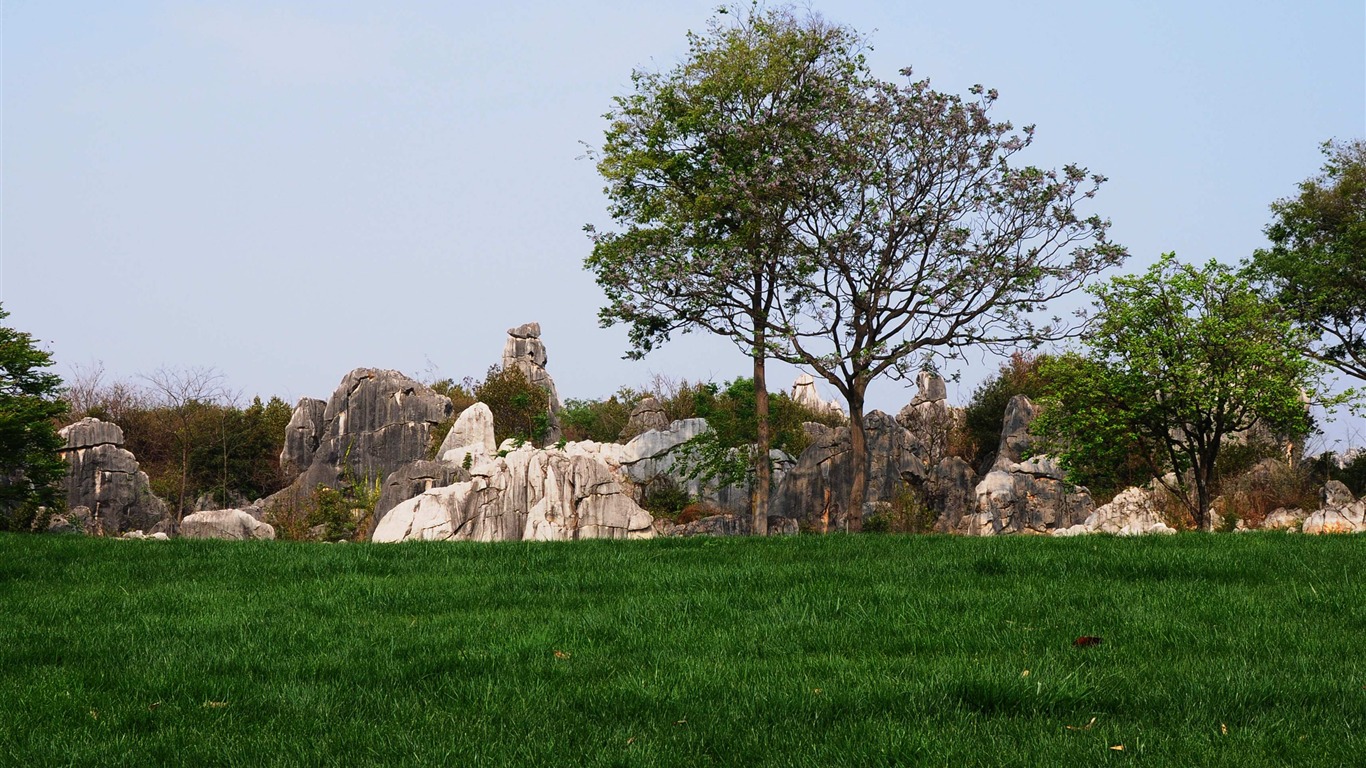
224,524
472,434
1346,519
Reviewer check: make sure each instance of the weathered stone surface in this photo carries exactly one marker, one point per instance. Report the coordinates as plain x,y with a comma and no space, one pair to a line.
951,490
804,392
74,520
224,524
1341,513
1131,513
929,418
105,478
819,483
302,435
471,435
376,421
413,479
525,351
1015,438
647,415
210,500
530,494
1283,519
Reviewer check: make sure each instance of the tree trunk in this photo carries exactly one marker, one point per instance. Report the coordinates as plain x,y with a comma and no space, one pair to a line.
858,454
763,468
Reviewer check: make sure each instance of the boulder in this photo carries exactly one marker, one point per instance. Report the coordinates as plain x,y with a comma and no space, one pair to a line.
234,524
1341,513
525,351
1283,519
106,480
929,418
647,415
728,524
1132,512
73,520
472,436
302,436
529,494
1335,494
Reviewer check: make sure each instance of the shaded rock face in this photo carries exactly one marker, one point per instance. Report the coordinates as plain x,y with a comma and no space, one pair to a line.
73,520
525,351
1015,439
530,494
105,479
301,436
224,524
951,490
813,491
929,418
647,415
413,479
376,422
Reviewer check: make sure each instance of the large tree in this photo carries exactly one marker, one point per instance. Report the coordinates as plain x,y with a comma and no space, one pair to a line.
926,237
30,464
1316,265
706,167
1178,359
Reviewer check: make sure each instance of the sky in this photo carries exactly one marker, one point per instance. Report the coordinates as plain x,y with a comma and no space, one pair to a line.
285,191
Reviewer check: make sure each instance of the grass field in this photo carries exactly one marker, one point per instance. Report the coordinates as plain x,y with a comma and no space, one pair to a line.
1238,650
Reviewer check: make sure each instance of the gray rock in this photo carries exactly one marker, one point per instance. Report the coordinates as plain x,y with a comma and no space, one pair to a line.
413,479
1335,494
647,415
1134,511
75,520
1341,518
302,436
951,490
804,393
813,491
224,524
530,494
525,351
728,524
376,421
1283,519
106,479
1015,438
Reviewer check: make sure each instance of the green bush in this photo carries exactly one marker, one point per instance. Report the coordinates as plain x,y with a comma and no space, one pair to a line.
985,411
602,421
520,408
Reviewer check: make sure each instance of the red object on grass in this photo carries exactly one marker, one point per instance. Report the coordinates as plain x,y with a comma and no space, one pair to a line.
1086,640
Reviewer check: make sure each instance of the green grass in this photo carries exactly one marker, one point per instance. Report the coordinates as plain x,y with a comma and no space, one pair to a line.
807,651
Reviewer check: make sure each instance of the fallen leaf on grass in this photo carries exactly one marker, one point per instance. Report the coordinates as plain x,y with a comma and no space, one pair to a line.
94,714
153,706
1024,673
1223,729
684,721
1087,640
561,655
1086,727
630,741
818,691
1117,748
215,704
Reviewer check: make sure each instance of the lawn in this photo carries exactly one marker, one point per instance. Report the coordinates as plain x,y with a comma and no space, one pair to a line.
1239,650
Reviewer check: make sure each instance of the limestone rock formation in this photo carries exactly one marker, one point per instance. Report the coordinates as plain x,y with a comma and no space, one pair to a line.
1282,519
1341,513
471,435
301,436
73,520
412,479
374,423
525,351
105,479
929,418
951,490
819,483
647,415
1025,496
235,524
804,392
1131,513
530,494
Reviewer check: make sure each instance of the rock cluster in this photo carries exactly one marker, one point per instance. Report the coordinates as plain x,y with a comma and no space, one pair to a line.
104,479
529,494
1341,513
1133,512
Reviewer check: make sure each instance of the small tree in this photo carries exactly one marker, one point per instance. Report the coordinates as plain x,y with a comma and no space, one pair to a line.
1316,265
187,402
706,166
30,464
1179,358
519,407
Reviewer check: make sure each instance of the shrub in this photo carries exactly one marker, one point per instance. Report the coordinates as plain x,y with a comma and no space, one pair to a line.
602,421
520,408
664,498
1020,375
907,512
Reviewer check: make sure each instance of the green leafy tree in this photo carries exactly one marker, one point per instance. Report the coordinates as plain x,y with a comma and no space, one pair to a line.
519,407
706,165
1178,359
1316,265
30,403
986,409
927,236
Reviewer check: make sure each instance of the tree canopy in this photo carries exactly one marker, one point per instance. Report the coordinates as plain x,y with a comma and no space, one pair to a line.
1178,359
1316,265
30,464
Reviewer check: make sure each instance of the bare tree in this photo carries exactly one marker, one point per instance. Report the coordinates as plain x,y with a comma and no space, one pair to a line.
185,394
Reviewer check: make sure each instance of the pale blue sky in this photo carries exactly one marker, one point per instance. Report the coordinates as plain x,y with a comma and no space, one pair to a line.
287,191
